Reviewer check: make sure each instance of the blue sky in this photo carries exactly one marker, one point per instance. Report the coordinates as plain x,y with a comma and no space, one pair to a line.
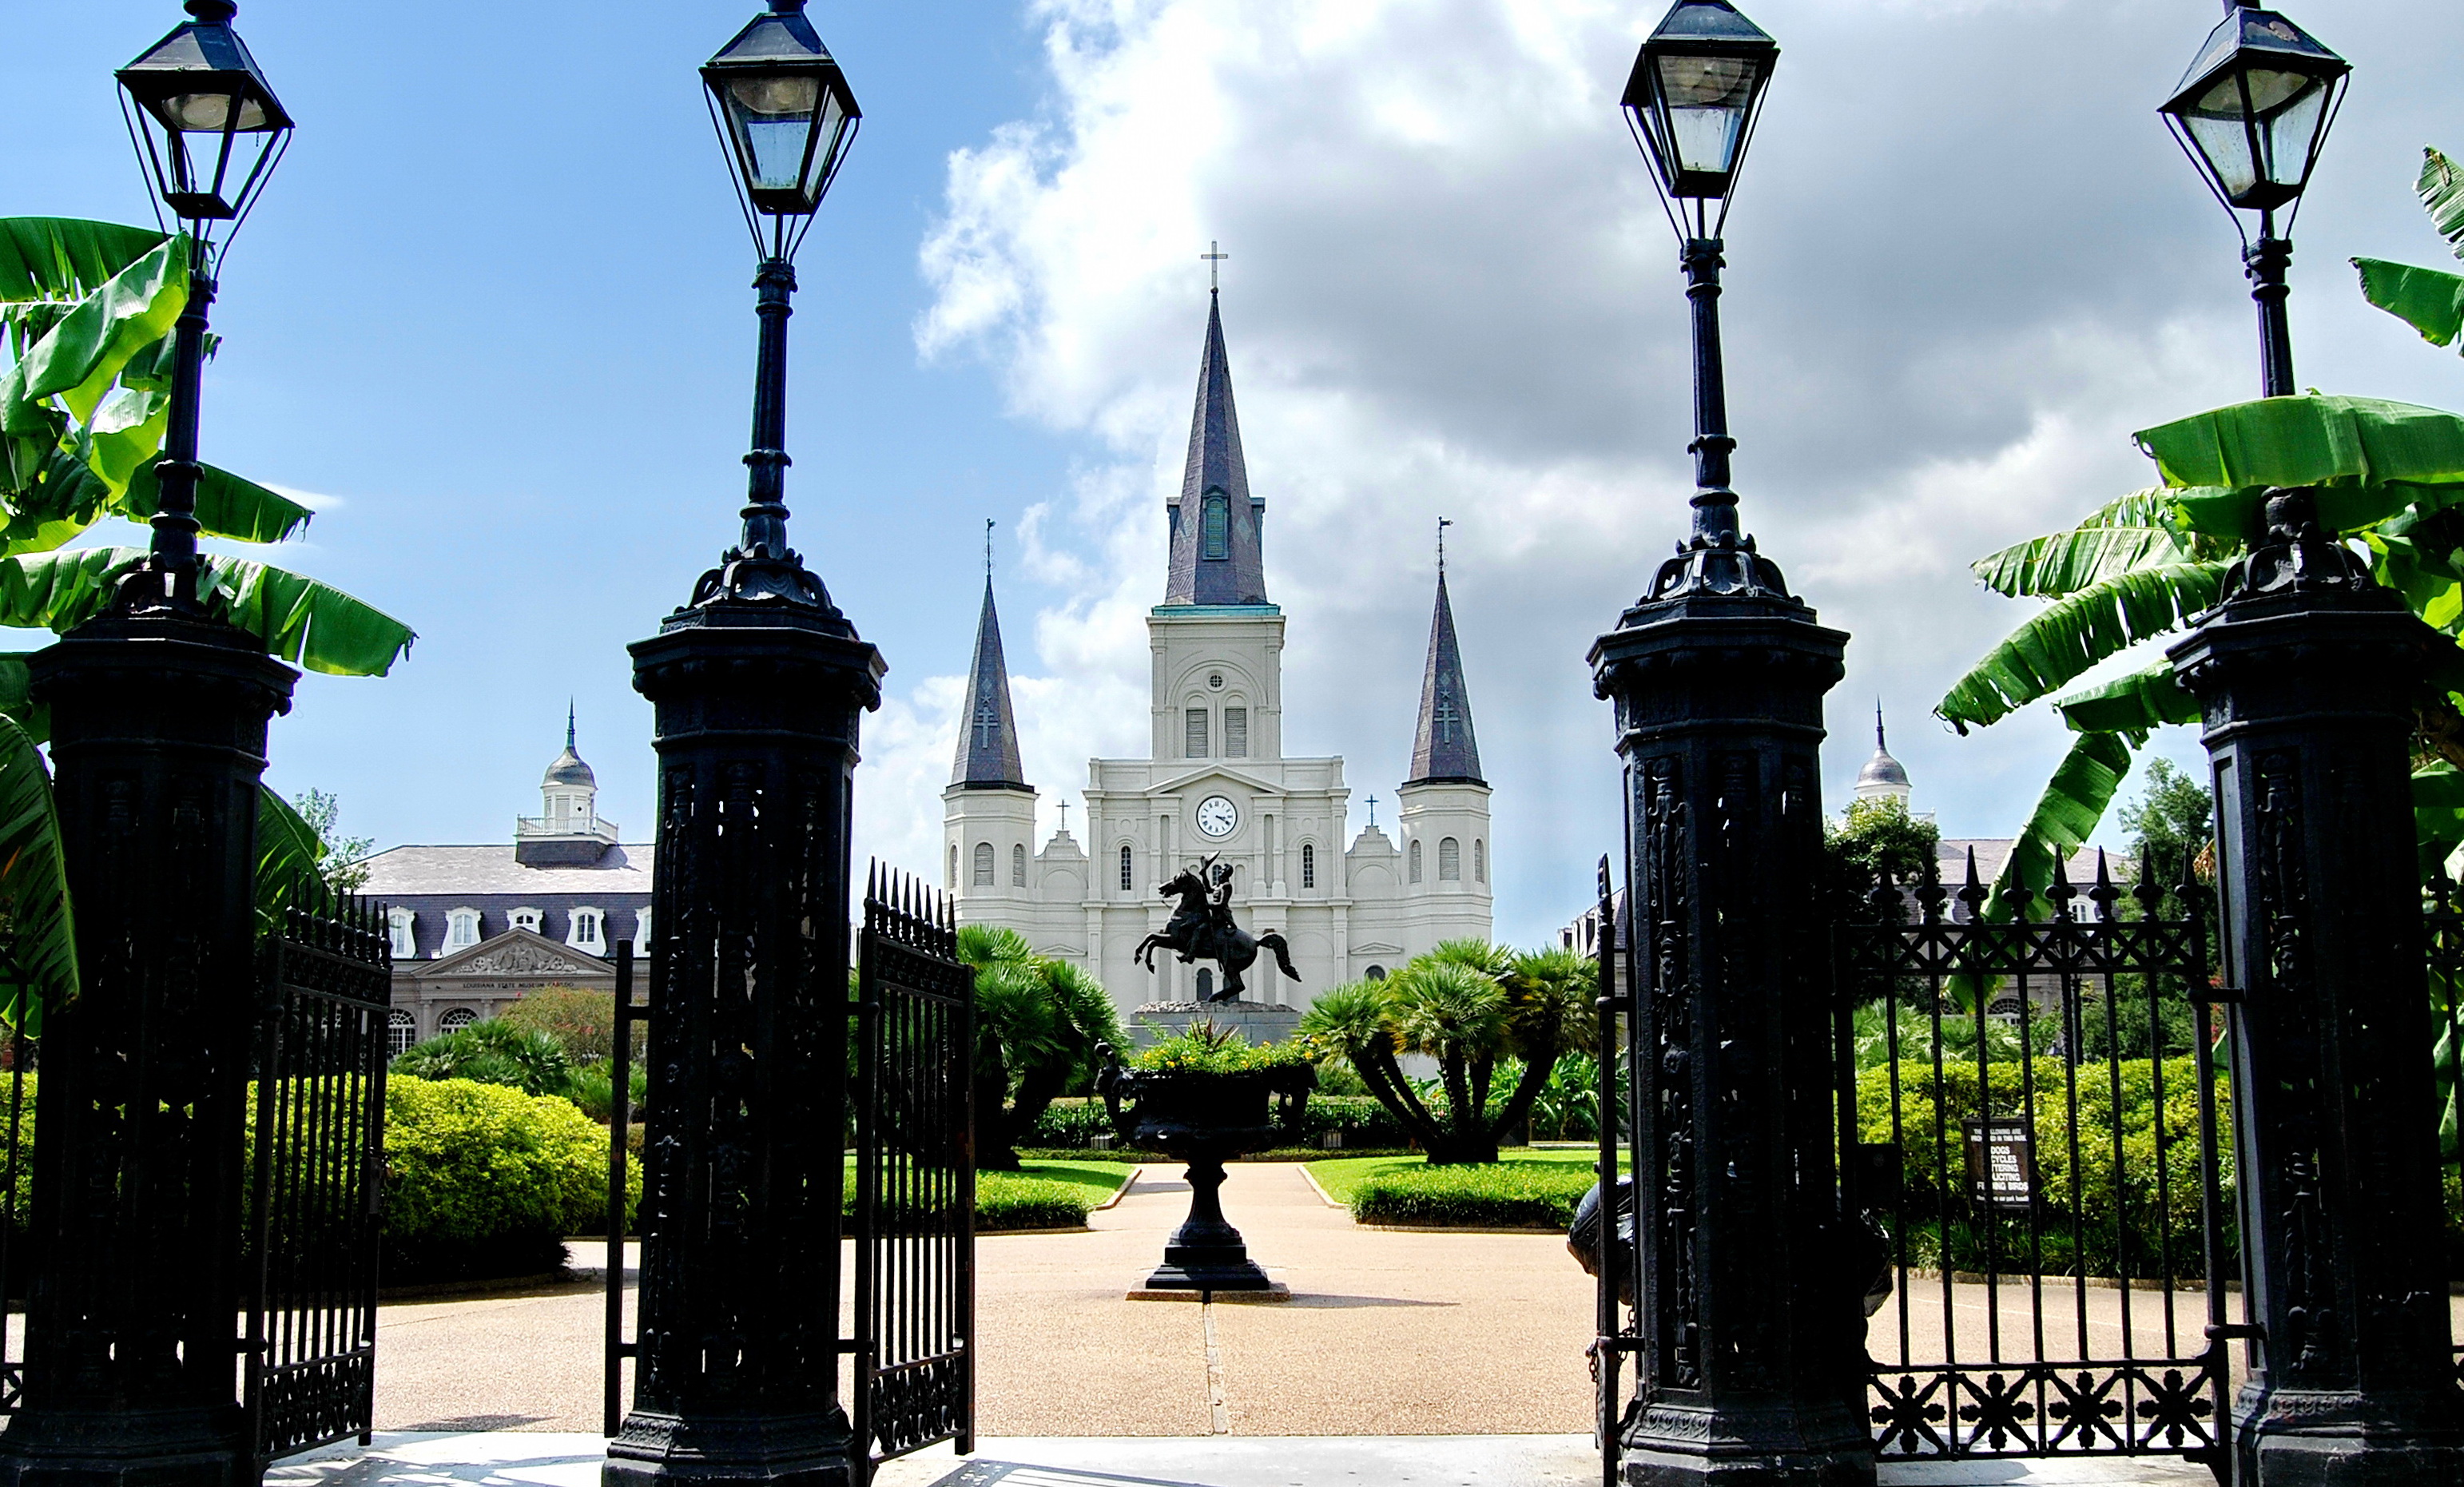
497,307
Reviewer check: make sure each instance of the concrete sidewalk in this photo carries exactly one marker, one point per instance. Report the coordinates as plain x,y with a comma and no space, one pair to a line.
559,1460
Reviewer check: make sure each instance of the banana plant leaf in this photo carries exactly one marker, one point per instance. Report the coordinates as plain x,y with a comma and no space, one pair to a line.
34,888
17,697
2441,189
2349,443
290,861
299,619
2058,646
2444,1064
2430,300
2437,812
66,257
82,356
2135,705
72,498
2074,800
2062,564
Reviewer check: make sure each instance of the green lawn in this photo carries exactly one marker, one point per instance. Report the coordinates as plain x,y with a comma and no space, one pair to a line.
1342,1176
1100,1180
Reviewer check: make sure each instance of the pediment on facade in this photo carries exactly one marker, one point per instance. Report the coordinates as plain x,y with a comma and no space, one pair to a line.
1374,947
516,952
1212,774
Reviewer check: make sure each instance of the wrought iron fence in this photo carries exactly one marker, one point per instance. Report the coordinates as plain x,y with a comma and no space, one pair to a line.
316,1185
2032,1113
2443,924
914,1174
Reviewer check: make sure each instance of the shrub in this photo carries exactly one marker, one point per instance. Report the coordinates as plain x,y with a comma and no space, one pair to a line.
494,1052
1006,1201
1205,1050
1360,1119
583,1022
593,1090
1506,1195
483,1180
1068,1125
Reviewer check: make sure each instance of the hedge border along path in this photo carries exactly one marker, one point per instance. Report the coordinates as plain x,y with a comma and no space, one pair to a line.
1043,1196
1533,1191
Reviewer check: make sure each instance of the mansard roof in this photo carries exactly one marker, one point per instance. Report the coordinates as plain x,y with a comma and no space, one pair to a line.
1232,571
988,730
1443,748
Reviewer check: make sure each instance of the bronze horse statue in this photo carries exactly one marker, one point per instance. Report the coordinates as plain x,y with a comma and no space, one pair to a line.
1201,928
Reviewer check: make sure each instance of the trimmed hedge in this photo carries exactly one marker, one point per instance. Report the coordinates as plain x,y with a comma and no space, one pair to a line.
482,1180
1537,1195
1072,1124
1004,1200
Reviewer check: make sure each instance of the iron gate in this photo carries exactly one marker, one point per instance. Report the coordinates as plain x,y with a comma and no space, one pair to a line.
2031,1116
2445,923
915,1175
316,1181
914,1170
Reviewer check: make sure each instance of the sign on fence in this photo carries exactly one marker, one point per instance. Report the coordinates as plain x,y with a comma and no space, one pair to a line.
2001,1166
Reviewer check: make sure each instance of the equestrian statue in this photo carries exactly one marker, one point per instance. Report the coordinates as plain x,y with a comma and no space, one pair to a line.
1201,928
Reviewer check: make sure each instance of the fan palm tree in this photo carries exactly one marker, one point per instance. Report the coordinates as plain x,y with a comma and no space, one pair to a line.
1038,1024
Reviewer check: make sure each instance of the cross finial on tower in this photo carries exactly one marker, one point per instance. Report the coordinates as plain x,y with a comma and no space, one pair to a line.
1214,258
1442,524
1372,812
988,549
569,726
1065,818
1879,744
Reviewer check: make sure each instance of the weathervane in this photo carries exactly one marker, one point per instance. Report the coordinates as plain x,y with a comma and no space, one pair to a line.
1213,257
988,549
1442,524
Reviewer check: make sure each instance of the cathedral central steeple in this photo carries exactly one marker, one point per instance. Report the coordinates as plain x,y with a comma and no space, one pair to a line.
1217,558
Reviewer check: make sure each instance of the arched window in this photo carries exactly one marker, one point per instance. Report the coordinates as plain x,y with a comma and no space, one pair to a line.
461,929
642,930
401,926
1376,972
456,1020
1309,864
1415,862
1215,528
1016,867
1205,984
983,864
1479,860
402,1029
954,865
1449,860
1129,872
1236,733
2006,1007
589,931
1194,733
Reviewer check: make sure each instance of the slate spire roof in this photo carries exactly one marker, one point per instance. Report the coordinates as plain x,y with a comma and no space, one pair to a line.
988,732
1444,750
1216,555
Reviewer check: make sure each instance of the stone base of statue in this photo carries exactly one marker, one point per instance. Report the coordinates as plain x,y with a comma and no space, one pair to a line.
1257,1022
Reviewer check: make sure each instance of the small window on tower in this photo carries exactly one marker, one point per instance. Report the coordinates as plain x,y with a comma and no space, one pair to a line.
1236,733
1129,871
1214,528
1309,865
983,864
1449,861
1193,742
1017,865
1415,862
1479,860
953,866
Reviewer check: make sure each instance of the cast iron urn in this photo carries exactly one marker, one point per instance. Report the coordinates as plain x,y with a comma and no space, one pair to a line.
1203,1117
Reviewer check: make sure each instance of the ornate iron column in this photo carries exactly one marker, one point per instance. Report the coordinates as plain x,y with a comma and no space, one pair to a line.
2308,672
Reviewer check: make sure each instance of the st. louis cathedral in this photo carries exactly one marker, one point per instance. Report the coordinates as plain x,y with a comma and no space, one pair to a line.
1216,781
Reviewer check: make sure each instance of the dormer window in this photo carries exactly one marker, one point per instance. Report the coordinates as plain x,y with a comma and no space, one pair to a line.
1214,528
526,918
461,929
642,930
401,926
589,931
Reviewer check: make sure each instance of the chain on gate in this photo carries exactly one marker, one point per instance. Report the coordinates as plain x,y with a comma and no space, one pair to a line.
915,1175
317,1179
2031,1111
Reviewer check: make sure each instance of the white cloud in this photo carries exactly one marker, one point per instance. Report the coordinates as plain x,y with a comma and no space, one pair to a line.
1956,284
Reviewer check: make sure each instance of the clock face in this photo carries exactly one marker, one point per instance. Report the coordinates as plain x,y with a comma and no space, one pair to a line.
1217,816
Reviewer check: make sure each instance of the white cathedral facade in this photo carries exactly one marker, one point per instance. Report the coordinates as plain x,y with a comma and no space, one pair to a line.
1215,781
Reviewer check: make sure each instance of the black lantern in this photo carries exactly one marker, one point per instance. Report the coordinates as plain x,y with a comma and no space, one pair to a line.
1696,89
2255,106
784,109
207,124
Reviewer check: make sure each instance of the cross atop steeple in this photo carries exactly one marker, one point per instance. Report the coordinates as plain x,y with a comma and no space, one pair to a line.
988,549
1214,259
1442,524
1372,812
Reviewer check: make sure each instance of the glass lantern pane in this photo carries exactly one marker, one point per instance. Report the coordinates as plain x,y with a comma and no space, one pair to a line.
2221,132
774,119
1707,98
2289,131
833,120
211,113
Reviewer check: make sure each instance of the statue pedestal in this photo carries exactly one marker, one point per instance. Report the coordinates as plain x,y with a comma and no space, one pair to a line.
1258,1022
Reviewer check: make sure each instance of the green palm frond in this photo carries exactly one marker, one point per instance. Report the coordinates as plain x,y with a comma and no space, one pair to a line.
298,619
69,496
2062,564
81,357
2441,189
290,861
66,257
2135,705
1447,1010
2430,300
2058,646
2074,801
2349,443
1350,1022
34,888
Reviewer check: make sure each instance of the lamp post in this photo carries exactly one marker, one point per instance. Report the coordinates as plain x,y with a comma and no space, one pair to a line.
758,682
2252,113
159,719
2308,672
1750,1360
